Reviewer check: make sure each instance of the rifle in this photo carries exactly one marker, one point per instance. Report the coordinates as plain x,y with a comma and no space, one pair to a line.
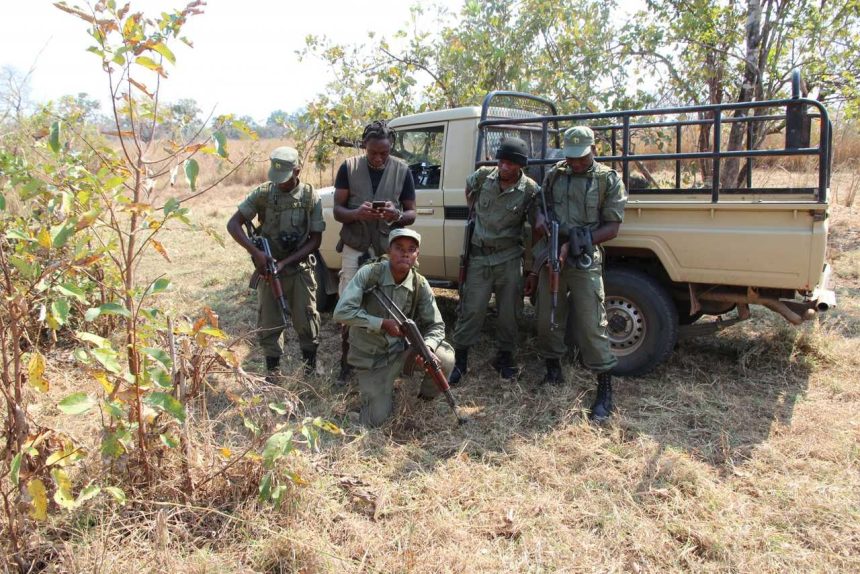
271,276
416,340
554,263
464,257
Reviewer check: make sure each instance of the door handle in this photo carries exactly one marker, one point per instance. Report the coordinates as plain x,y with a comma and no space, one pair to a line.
425,211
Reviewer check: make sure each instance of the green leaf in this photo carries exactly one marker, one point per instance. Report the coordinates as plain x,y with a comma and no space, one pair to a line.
159,355
87,493
158,286
280,408
161,378
81,356
251,426
91,338
15,469
220,144
54,138
266,487
63,493
2,202
76,403
71,290
61,233
117,494
113,410
213,332
279,444
112,446
169,441
171,205
60,310
106,309
167,403
192,169
165,51
108,359
19,235
149,63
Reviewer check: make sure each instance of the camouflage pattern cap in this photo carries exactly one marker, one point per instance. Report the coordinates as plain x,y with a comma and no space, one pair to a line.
578,141
403,232
283,161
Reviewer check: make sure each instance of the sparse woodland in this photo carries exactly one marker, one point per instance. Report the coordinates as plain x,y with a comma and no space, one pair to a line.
138,433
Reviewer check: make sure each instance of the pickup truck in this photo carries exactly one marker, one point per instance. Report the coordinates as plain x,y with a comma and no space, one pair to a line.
691,244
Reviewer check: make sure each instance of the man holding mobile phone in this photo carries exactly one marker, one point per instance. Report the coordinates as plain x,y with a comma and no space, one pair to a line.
374,193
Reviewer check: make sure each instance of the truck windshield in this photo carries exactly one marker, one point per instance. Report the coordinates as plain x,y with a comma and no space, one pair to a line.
422,149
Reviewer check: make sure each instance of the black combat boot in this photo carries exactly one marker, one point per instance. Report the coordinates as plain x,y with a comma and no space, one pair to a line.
461,358
553,372
601,410
345,368
504,364
309,358
272,373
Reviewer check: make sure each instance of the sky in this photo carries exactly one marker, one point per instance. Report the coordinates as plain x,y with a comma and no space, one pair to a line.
243,61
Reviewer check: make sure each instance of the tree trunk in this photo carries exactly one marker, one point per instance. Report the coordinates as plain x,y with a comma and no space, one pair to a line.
749,84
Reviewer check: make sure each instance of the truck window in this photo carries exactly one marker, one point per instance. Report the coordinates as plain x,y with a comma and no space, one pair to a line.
422,149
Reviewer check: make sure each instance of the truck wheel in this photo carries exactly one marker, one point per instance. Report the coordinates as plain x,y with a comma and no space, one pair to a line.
325,301
643,321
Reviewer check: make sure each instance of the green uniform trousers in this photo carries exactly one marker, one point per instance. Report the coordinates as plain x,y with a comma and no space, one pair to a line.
588,320
376,386
506,280
300,291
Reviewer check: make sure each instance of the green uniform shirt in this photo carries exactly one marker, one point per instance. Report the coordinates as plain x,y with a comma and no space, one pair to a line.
584,199
369,346
500,216
297,212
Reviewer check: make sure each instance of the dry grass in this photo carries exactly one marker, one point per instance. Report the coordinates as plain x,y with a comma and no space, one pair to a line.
741,454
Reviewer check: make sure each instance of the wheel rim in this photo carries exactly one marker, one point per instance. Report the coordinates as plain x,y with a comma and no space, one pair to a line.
627,327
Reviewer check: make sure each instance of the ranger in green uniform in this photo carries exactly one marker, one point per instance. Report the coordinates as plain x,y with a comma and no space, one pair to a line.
377,349
290,215
580,194
499,198
362,182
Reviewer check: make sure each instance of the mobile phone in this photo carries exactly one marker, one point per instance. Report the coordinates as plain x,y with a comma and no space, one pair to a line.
378,205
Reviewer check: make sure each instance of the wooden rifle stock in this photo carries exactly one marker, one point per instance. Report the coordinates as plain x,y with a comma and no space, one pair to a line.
271,272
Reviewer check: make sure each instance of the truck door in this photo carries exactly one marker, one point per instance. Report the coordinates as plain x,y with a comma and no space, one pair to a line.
422,147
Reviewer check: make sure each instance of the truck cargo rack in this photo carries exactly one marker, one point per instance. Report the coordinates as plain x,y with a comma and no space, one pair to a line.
538,116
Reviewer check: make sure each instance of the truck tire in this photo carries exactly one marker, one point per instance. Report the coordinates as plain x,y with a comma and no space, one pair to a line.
325,301
643,321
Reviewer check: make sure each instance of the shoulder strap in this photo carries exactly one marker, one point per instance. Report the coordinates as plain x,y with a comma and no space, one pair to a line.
547,193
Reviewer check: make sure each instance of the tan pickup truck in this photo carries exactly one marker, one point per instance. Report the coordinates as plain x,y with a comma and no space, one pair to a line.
689,245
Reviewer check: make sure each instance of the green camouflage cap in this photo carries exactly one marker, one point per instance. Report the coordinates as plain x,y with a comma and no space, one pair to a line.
403,232
283,161
578,141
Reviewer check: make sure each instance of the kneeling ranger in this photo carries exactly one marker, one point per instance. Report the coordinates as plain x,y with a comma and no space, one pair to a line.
377,349
290,215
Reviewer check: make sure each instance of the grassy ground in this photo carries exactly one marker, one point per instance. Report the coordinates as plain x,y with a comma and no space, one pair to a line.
739,455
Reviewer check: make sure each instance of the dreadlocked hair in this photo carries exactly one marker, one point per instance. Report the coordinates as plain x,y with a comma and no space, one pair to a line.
377,130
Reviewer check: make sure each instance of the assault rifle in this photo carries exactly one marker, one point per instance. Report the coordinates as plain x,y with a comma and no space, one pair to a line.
271,276
464,257
425,358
